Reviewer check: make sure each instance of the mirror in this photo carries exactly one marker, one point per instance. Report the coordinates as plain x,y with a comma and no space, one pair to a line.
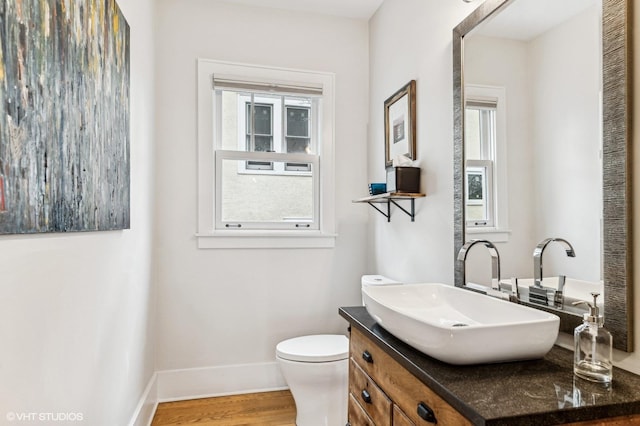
555,104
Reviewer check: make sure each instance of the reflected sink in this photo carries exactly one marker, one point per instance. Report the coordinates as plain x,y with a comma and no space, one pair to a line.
459,326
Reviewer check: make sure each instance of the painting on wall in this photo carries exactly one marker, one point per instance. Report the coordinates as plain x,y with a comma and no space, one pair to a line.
400,124
64,116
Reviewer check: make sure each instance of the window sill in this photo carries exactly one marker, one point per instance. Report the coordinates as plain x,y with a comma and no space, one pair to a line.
496,235
265,239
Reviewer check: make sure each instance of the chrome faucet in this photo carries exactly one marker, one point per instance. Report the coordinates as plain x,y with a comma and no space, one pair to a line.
495,261
537,257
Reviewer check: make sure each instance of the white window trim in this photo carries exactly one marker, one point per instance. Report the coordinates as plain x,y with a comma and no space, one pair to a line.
500,231
206,234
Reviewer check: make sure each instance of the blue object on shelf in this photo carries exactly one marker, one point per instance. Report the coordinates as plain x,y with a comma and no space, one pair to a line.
377,188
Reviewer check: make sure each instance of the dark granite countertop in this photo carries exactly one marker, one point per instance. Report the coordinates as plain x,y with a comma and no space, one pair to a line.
538,392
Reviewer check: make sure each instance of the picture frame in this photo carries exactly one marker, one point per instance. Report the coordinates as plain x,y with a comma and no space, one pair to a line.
400,124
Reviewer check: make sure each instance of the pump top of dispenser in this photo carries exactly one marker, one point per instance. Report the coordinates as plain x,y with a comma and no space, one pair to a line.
593,316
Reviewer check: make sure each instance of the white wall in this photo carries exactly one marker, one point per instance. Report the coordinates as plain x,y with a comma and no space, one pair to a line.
411,39
500,62
565,92
415,37
76,309
225,307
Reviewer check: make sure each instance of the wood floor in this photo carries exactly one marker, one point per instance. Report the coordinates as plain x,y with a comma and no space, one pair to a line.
260,409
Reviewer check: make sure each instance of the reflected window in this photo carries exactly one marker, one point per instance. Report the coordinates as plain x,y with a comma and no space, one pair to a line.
479,194
480,155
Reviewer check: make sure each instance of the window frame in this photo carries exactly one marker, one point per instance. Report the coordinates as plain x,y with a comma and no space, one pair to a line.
208,236
499,230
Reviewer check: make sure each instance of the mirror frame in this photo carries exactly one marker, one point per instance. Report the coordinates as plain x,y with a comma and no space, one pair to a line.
616,163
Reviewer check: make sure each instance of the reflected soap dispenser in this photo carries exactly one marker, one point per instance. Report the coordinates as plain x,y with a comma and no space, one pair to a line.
593,346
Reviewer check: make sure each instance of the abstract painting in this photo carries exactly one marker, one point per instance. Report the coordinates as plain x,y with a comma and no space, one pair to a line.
64,116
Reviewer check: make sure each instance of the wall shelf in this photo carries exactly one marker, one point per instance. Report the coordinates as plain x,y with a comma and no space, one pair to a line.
389,198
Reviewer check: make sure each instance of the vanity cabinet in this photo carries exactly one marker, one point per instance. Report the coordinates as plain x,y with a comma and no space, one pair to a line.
392,384
383,393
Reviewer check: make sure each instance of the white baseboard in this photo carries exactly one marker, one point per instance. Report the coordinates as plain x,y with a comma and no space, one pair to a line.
206,382
146,408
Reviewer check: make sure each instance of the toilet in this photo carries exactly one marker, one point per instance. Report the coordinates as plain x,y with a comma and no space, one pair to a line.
316,368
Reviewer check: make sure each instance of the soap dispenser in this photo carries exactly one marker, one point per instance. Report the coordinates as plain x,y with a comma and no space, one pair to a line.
593,346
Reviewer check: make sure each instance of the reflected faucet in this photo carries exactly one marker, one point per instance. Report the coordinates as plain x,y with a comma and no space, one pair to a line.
495,261
537,258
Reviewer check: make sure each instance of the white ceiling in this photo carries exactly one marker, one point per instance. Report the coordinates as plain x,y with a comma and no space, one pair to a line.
526,19
357,9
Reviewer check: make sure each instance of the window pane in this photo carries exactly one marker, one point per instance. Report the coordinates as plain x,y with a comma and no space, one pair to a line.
477,200
297,145
229,119
475,187
472,139
479,136
262,143
262,119
297,121
265,197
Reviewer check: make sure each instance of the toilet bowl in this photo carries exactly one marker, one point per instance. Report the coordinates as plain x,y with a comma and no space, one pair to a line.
316,369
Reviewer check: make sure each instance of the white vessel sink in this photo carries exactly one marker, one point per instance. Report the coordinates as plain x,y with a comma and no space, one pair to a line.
459,326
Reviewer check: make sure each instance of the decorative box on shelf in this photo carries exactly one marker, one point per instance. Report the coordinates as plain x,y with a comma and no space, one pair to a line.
403,179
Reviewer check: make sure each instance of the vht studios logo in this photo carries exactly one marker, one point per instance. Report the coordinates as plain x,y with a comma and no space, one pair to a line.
44,417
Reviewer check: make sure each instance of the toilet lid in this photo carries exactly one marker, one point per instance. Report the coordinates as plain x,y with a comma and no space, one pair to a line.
318,348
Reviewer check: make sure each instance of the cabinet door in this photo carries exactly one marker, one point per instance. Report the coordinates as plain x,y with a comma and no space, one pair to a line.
400,419
422,405
370,397
357,416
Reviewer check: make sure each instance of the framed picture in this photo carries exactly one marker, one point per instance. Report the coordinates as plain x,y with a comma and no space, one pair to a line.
400,124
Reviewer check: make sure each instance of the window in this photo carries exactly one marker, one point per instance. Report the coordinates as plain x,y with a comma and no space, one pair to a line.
274,117
265,155
479,193
480,142
259,137
297,135
486,205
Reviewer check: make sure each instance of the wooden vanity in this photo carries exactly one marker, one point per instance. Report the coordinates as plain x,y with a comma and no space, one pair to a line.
392,384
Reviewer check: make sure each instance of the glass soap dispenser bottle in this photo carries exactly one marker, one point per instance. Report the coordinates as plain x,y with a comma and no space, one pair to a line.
593,346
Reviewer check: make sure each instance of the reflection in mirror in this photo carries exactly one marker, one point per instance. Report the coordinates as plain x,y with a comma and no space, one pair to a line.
530,147
544,146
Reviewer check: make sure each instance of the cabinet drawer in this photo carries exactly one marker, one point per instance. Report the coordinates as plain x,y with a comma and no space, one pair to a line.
400,418
412,396
371,398
357,415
